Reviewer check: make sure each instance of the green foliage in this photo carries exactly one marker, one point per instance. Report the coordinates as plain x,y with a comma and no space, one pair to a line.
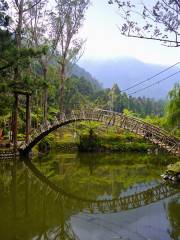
90,142
4,18
109,139
45,143
37,117
155,120
6,46
114,100
129,112
123,142
174,167
173,107
85,127
11,57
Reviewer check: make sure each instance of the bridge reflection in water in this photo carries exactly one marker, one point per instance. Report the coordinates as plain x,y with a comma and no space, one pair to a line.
47,208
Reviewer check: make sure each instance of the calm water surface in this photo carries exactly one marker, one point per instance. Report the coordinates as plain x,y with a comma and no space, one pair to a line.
88,197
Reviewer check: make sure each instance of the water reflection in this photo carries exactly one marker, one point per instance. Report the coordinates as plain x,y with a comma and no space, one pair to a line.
135,200
102,176
29,209
173,213
35,207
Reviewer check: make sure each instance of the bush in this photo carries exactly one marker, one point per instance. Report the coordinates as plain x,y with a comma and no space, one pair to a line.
89,143
46,143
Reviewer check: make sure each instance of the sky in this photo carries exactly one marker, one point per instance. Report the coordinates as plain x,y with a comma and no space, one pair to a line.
104,41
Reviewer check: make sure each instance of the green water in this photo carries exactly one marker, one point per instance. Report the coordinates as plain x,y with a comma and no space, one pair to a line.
88,197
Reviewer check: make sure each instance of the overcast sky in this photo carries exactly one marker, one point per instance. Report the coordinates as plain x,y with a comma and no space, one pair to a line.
104,40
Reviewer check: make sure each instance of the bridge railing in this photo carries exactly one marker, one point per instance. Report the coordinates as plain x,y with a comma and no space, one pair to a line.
145,125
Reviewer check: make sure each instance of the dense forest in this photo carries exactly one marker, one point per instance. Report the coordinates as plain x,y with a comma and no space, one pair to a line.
39,49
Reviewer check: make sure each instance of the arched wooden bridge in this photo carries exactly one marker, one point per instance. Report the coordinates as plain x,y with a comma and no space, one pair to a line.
154,134
136,200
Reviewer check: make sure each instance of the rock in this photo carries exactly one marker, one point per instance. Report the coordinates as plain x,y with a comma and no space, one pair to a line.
171,175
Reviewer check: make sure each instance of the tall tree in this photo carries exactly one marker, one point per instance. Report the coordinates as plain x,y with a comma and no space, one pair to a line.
20,9
6,41
173,108
66,21
21,51
38,35
158,21
6,46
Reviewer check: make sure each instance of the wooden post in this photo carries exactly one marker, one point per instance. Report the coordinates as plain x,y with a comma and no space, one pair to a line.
28,118
15,122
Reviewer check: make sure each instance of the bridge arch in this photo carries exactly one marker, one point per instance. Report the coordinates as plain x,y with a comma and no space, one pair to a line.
153,133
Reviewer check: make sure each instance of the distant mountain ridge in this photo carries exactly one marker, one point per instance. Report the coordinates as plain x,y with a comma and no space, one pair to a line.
129,71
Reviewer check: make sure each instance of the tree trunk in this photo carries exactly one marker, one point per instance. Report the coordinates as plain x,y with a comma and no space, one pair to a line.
61,90
28,118
18,37
15,122
45,104
19,27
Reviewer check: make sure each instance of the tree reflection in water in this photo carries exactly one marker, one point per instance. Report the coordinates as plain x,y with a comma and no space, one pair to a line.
29,209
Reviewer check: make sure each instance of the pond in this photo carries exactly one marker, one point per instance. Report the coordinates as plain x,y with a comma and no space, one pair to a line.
88,197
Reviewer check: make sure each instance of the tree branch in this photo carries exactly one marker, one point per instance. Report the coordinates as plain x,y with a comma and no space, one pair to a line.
155,39
27,9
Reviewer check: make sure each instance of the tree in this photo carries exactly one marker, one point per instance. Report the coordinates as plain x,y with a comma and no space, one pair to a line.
6,45
38,35
159,21
6,41
173,110
16,55
114,98
66,21
20,9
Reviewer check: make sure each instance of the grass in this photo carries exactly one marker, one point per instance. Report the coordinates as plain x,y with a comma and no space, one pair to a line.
174,167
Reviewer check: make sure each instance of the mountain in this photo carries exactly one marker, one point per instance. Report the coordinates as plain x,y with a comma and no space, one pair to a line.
76,70
80,72
129,71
